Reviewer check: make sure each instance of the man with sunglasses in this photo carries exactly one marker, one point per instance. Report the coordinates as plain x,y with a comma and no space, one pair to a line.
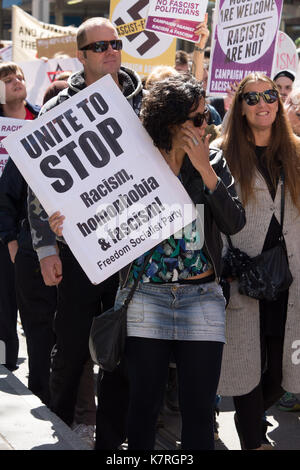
99,51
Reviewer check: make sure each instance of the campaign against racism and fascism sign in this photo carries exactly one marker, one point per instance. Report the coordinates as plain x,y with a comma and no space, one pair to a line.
142,50
51,47
91,159
177,18
39,75
26,30
7,126
244,41
286,54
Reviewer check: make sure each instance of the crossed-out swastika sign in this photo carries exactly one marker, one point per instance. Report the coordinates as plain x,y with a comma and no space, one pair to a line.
134,12
142,50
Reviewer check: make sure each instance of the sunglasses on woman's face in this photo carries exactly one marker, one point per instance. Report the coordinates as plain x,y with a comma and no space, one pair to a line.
198,119
102,46
253,97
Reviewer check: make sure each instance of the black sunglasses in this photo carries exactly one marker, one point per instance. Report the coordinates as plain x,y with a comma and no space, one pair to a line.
102,46
198,119
253,97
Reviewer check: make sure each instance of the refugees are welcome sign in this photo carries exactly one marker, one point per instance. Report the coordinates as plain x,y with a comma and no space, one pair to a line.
91,159
244,41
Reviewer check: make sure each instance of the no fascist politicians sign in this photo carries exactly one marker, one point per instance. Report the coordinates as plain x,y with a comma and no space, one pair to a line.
176,18
244,41
142,50
91,159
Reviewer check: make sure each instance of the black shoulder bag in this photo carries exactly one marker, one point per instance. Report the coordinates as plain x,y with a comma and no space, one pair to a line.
109,330
265,276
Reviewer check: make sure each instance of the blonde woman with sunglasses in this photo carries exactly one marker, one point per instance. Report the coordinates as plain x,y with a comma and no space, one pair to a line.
259,360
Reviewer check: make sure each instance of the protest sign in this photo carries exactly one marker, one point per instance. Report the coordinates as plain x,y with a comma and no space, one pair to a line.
6,53
142,50
91,159
26,30
286,54
7,126
51,47
176,18
244,40
39,75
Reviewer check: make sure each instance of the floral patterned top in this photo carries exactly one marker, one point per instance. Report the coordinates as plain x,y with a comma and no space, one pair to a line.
174,260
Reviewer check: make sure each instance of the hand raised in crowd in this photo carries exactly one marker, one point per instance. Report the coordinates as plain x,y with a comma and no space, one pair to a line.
56,223
230,95
202,31
197,148
198,57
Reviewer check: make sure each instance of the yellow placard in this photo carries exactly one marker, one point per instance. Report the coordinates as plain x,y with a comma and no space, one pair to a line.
142,50
131,28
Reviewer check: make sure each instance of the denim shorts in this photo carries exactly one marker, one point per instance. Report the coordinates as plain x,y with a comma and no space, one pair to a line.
176,311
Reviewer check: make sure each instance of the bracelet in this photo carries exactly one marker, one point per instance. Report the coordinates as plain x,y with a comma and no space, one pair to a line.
199,49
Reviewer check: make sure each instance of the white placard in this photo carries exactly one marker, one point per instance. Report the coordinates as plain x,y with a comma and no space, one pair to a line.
26,29
286,54
40,74
7,126
6,53
91,158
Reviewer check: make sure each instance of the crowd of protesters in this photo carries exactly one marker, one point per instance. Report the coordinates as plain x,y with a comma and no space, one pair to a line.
187,318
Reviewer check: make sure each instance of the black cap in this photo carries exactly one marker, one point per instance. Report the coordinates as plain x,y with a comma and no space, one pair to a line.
285,73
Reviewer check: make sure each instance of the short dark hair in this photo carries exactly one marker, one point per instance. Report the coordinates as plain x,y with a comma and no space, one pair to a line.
10,67
169,103
285,73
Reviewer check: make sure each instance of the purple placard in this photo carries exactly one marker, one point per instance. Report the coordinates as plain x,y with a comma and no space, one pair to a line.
183,29
177,18
244,41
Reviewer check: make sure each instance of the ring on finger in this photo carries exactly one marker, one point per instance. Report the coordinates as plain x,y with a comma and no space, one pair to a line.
195,141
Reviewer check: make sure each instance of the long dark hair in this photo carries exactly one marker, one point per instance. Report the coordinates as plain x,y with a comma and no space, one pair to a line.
283,150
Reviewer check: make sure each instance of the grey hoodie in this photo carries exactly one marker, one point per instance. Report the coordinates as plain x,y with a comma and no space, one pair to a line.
43,239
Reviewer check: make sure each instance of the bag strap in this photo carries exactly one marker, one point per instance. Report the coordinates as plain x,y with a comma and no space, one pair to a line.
282,198
281,208
229,242
136,281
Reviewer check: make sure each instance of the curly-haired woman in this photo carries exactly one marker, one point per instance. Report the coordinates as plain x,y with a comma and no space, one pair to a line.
261,335
178,307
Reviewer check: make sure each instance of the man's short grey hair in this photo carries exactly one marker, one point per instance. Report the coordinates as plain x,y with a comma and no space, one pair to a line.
89,24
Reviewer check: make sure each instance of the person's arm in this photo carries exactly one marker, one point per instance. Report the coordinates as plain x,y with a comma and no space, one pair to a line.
218,183
228,211
44,241
198,55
